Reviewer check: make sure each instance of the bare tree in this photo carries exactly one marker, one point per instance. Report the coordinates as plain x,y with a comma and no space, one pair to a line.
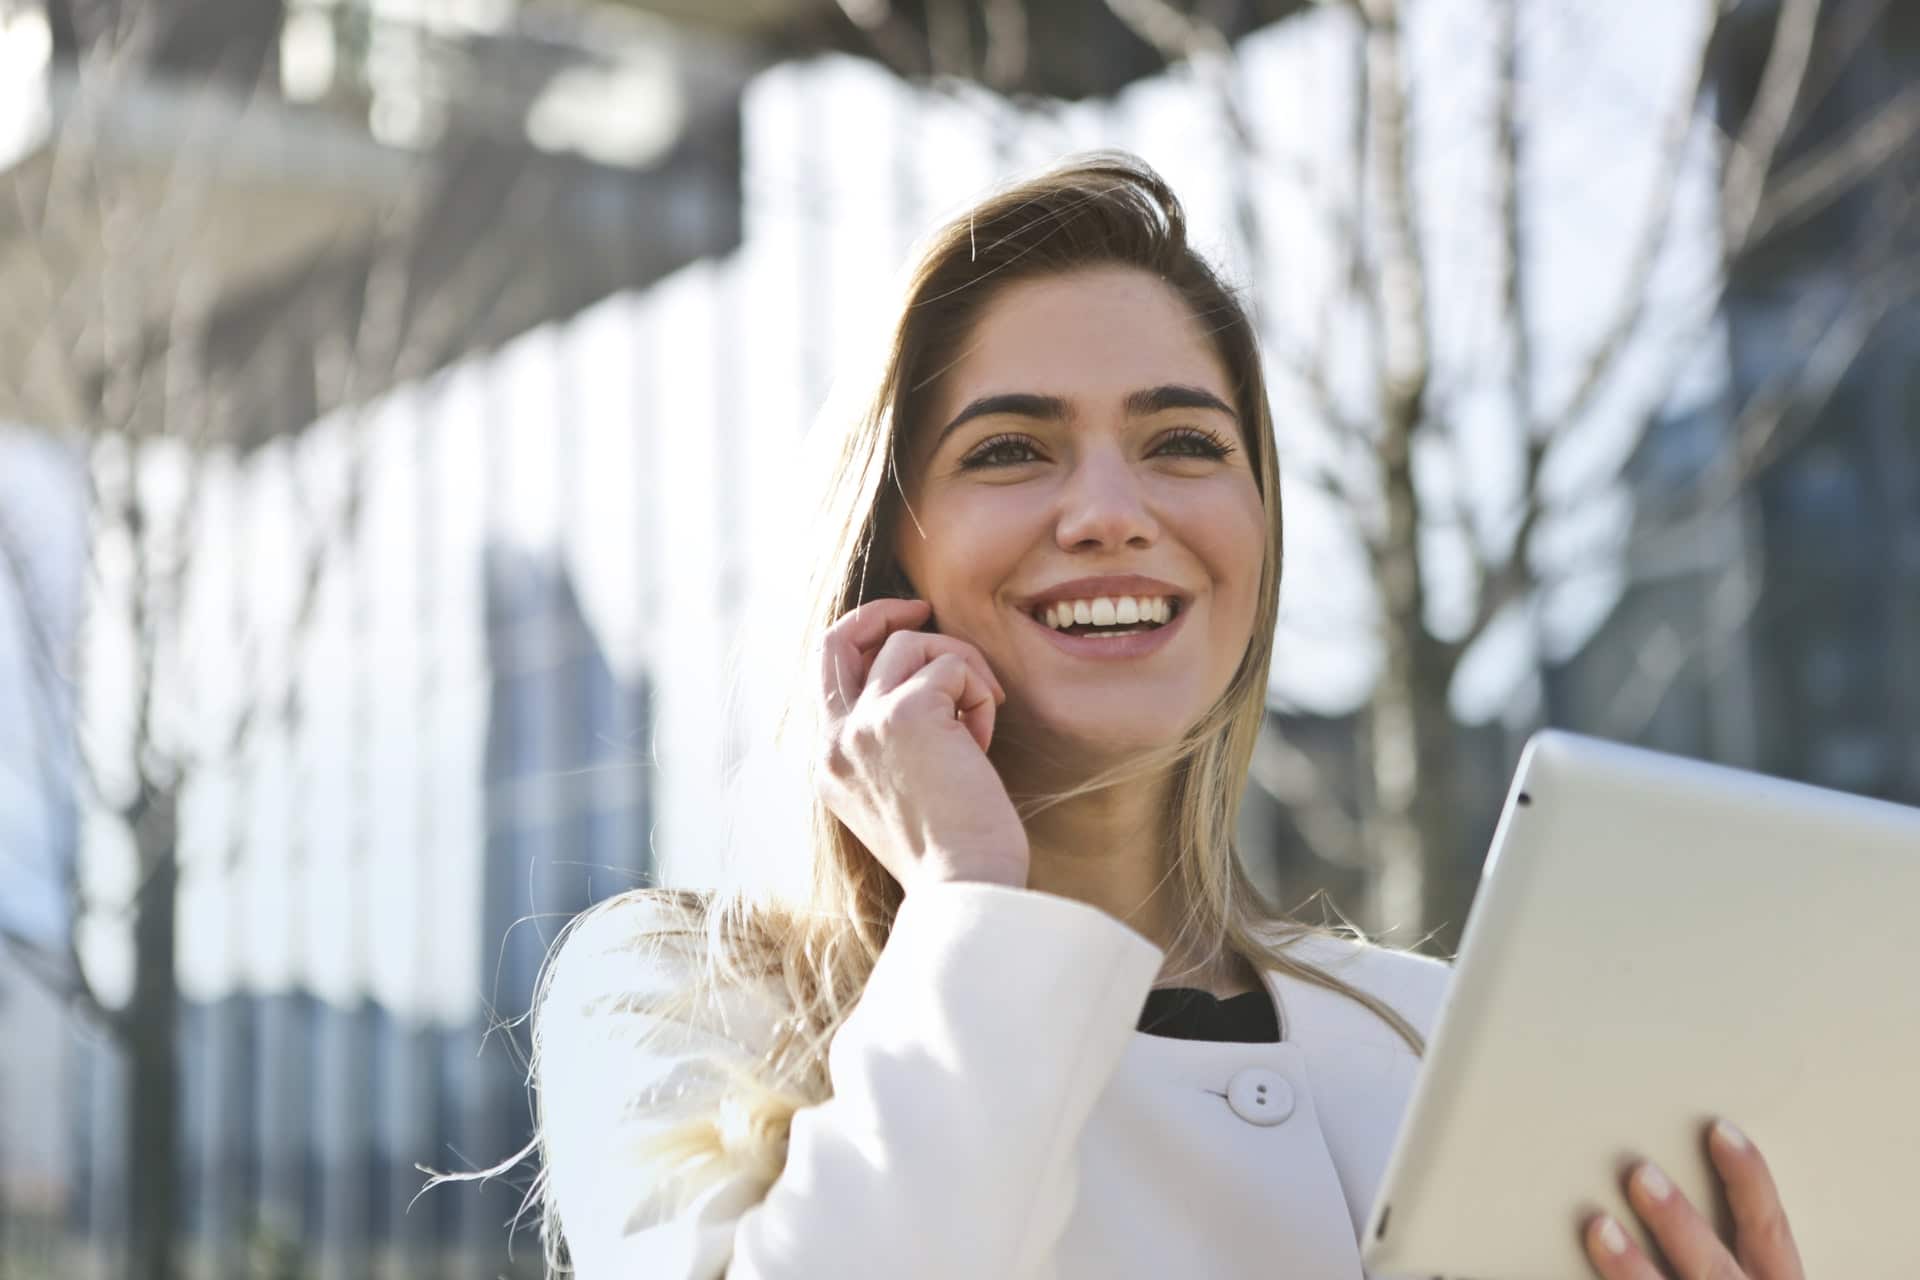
1408,832
148,349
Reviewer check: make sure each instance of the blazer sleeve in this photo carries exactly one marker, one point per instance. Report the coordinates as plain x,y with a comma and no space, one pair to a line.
962,1081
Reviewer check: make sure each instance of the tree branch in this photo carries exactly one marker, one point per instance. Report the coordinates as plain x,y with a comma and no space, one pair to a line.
1750,159
1512,578
1503,580
1400,322
1402,294
1510,251
1818,180
410,346
1180,37
1660,660
1654,225
1772,421
42,652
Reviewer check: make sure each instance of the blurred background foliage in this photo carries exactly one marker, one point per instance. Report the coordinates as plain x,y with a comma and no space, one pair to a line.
397,405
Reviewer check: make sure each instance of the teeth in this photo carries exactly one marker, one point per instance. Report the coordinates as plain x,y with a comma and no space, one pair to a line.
1108,611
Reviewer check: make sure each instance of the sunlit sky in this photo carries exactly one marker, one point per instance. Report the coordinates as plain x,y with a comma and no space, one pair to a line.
702,386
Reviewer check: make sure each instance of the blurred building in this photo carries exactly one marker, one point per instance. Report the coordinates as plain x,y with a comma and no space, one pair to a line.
35,1149
1779,628
554,161
304,1121
569,821
1836,636
39,837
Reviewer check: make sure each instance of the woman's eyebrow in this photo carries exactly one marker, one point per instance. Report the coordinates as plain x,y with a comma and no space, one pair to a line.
1172,396
1020,404
1024,404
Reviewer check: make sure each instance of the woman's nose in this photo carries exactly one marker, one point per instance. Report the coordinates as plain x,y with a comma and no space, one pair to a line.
1104,506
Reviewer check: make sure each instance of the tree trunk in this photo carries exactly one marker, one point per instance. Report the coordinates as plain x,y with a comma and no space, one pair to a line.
1448,883
150,1040
1416,831
1409,734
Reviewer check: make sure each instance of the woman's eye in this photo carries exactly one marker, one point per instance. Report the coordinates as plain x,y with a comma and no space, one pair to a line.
1190,442
1001,451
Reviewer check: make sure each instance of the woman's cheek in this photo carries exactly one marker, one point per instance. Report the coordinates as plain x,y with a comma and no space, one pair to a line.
1242,559
1228,532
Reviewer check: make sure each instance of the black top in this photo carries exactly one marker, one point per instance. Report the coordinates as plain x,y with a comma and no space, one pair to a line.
1188,1013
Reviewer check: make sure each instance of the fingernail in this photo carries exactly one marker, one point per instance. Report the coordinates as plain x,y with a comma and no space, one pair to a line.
1653,1183
1732,1137
1612,1238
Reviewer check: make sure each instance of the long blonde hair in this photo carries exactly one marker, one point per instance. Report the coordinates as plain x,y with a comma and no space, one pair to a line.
813,957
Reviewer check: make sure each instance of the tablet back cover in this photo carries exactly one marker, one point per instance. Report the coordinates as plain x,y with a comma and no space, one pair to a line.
1657,942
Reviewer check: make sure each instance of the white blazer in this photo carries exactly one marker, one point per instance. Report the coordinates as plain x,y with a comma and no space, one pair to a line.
995,1116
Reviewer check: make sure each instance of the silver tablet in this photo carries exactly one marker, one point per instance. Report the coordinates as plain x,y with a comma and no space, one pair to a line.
1657,942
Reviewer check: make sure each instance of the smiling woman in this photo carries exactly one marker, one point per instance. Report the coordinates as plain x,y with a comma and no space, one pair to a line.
1043,602
1030,1018
1097,460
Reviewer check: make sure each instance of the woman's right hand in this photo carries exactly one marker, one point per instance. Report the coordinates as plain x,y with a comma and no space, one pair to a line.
908,716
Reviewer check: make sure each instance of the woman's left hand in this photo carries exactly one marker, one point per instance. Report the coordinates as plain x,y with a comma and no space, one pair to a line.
1762,1247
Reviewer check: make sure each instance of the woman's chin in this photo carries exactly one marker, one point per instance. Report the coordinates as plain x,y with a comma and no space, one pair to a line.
1087,744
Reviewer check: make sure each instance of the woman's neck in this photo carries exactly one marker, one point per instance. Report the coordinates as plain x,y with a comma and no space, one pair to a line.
1109,849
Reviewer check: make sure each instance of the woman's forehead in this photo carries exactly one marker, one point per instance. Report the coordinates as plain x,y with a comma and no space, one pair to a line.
1094,335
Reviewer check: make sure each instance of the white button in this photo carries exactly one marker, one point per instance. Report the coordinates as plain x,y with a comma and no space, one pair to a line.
1260,1096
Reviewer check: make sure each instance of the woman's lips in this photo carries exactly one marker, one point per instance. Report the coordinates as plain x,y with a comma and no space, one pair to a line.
1138,644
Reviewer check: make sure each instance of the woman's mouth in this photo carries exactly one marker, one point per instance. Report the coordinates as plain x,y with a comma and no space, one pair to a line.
1110,626
1108,615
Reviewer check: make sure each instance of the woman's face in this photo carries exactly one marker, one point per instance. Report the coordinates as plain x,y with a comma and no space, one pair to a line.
1082,460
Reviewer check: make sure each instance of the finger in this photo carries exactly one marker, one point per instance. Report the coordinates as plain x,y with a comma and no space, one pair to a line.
866,626
953,680
905,652
976,708
848,647
842,674
1613,1253
1682,1233
1763,1240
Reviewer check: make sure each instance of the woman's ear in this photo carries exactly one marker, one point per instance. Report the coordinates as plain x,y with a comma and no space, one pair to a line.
895,584
900,586
890,584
